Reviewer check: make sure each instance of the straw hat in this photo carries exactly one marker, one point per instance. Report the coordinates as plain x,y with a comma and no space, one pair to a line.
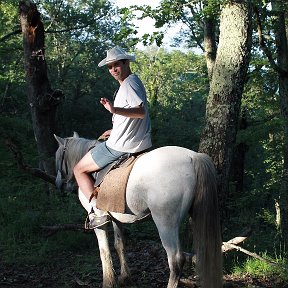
116,54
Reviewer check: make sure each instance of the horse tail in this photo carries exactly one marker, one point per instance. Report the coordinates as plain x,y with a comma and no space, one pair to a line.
206,229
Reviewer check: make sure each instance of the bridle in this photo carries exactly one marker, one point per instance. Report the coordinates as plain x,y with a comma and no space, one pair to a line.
59,181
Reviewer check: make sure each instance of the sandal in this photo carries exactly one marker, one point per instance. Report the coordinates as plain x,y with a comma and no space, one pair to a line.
96,221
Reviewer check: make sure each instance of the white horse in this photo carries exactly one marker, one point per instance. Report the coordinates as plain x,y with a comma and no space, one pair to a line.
168,182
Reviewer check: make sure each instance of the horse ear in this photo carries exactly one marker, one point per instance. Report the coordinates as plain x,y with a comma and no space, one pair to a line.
59,140
75,135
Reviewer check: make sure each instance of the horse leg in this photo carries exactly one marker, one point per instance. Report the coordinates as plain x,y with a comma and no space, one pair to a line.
120,249
106,258
171,242
105,255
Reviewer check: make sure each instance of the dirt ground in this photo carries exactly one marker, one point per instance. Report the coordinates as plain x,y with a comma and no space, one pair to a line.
147,261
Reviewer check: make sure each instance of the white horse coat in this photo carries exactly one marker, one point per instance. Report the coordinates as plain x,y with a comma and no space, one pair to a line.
169,182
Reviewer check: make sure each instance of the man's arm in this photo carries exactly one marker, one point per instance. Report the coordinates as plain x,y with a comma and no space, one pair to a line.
134,112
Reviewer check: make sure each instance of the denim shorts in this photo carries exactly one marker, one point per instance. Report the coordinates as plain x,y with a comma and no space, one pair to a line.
103,155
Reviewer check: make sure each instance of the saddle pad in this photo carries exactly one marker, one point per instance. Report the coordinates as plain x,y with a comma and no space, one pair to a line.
111,192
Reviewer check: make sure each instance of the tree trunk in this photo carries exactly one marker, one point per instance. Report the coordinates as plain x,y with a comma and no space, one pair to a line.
226,88
210,45
42,99
282,61
239,157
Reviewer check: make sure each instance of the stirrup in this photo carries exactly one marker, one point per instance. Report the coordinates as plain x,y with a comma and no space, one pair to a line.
96,221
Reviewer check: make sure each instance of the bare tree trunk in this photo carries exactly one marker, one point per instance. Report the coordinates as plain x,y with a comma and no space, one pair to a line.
42,99
226,88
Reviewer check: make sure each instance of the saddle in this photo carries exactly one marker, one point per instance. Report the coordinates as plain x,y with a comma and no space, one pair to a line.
99,176
111,181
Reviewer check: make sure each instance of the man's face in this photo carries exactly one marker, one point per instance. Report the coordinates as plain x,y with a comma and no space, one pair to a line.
119,70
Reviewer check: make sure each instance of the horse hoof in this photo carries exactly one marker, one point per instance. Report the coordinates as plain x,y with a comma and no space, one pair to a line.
123,281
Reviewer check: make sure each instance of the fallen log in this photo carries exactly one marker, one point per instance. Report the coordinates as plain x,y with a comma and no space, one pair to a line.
254,255
51,230
239,239
233,244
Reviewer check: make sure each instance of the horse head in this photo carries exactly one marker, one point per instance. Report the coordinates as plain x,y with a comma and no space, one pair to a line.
68,154
64,176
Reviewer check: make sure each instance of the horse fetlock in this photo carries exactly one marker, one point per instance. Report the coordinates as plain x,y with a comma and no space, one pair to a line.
109,283
124,279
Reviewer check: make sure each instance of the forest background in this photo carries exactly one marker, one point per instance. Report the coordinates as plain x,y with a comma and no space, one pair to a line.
180,88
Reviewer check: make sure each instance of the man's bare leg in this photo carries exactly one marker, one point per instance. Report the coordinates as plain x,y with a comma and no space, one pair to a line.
85,182
86,185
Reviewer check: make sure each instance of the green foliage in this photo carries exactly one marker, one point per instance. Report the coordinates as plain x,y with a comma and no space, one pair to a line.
9,16
260,269
11,68
212,9
263,138
176,85
26,205
190,14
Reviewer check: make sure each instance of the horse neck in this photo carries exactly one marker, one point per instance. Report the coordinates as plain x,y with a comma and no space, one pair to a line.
77,149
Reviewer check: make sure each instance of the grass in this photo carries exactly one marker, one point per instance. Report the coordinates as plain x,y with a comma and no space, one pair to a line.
24,208
256,268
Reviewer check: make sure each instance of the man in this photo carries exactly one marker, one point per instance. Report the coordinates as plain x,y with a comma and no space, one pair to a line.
131,130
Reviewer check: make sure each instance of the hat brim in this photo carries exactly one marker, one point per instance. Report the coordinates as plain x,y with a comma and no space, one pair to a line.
106,61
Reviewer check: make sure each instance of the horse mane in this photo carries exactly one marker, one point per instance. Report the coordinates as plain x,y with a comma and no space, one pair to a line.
77,148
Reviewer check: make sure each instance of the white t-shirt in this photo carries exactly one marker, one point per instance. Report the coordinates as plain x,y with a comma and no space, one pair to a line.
130,135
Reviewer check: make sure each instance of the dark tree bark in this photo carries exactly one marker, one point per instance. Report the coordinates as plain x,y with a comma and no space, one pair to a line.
239,157
42,99
226,88
210,45
282,61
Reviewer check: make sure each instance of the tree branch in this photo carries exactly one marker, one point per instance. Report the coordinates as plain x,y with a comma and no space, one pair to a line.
21,164
234,241
263,46
232,244
80,27
67,29
19,31
10,34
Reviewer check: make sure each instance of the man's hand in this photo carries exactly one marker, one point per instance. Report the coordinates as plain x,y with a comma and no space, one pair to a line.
107,104
133,112
105,135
